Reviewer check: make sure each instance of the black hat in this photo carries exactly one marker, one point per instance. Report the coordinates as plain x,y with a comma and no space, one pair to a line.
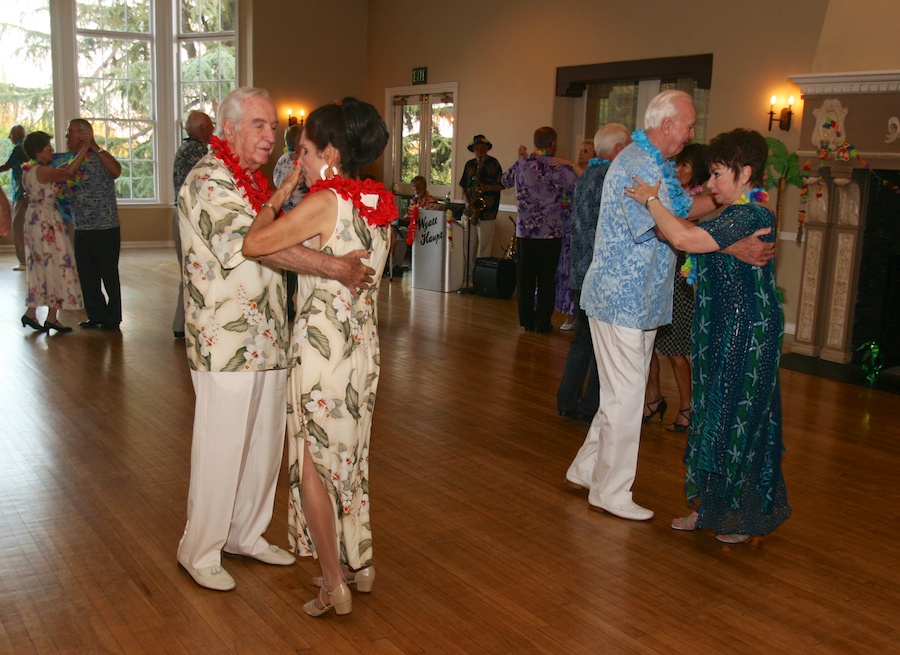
480,139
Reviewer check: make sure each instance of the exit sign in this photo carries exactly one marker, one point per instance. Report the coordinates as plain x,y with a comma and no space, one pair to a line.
420,75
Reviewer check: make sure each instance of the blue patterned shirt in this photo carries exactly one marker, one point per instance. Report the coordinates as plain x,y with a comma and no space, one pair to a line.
93,201
542,193
585,211
629,282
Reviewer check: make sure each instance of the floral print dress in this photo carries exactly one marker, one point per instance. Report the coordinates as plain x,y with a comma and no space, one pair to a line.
51,272
334,371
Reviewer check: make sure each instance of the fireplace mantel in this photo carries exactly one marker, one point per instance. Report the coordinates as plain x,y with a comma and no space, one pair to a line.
840,110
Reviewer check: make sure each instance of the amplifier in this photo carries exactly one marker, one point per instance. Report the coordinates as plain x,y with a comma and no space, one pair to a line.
494,277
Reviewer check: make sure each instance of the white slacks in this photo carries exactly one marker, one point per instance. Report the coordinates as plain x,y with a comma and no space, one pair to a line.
482,243
606,463
239,428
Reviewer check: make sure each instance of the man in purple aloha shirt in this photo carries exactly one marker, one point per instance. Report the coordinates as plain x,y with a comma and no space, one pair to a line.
543,191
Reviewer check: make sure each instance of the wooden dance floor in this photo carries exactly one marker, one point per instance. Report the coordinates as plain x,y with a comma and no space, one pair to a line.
479,547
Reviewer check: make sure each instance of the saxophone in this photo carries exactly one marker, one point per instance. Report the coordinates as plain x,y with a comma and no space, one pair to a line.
510,252
476,200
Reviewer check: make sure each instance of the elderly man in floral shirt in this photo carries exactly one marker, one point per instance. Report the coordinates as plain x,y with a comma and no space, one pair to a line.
236,339
543,191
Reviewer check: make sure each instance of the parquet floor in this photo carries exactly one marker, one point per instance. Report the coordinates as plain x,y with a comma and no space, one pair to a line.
479,547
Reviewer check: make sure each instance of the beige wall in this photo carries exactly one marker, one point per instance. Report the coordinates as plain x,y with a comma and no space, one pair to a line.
504,56
505,62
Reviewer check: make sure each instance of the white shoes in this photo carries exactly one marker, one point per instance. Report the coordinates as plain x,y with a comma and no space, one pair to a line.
216,578
631,511
271,555
212,577
568,325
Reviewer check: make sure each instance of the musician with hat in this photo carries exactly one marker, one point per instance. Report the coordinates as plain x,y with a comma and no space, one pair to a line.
481,191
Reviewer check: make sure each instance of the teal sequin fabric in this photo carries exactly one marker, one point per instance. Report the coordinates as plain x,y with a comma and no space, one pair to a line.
734,449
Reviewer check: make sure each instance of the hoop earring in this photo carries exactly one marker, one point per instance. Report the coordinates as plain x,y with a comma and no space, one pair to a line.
324,170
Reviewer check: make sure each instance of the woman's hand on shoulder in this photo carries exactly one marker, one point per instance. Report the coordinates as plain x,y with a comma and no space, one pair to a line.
641,191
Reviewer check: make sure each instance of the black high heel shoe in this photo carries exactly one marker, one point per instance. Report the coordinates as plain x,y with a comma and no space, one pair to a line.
27,321
660,406
55,325
681,427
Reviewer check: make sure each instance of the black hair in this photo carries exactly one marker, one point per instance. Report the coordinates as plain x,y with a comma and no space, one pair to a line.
740,148
34,143
354,128
695,155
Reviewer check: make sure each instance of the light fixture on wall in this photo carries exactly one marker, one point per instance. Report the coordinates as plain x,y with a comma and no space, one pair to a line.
784,119
292,120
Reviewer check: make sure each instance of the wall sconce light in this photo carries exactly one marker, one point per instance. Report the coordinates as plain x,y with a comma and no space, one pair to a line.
784,119
292,120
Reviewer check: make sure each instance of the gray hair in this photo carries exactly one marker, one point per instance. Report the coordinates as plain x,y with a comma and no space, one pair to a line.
663,106
609,136
232,106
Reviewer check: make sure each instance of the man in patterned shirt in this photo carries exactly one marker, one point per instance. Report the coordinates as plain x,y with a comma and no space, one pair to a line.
97,234
236,338
574,398
543,190
199,129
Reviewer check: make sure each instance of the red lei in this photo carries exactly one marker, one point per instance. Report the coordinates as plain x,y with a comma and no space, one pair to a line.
254,185
372,200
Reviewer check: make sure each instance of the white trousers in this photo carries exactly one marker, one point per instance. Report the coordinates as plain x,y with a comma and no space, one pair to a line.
481,244
239,428
607,461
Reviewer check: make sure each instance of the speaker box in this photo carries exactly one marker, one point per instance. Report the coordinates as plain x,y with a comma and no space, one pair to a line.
495,277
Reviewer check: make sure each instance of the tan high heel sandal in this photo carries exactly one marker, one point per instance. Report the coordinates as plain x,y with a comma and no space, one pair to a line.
363,580
339,599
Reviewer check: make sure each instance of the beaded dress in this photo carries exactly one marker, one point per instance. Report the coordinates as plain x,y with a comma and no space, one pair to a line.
734,448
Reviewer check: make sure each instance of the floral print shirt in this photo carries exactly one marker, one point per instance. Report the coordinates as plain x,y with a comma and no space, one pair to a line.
629,282
235,309
543,192
191,151
585,210
93,201
491,173
283,168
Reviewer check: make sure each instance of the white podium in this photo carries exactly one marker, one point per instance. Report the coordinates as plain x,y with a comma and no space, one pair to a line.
438,264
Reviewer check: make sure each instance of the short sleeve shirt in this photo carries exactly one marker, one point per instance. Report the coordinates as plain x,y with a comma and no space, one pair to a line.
585,212
191,151
629,281
543,192
93,201
235,308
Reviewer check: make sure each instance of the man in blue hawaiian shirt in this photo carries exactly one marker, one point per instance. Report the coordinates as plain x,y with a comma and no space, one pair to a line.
627,295
574,398
16,193
543,191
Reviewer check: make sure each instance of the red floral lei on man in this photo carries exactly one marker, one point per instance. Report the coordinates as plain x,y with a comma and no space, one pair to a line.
372,200
254,185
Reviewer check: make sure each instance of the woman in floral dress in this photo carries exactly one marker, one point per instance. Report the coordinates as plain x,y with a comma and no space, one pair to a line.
52,276
335,356
733,454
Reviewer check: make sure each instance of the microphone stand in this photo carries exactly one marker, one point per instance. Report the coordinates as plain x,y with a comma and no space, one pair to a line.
466,289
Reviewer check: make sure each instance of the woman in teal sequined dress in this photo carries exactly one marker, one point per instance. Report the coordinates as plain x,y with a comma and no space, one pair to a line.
733,454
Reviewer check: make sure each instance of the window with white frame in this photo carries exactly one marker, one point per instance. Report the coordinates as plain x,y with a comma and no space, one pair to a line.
139,66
